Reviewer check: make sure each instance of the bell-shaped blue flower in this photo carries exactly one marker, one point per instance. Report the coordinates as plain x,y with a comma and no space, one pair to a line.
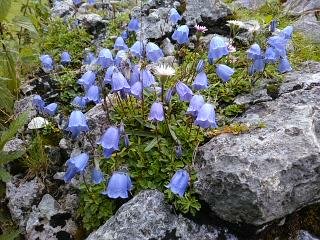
178,150
120,44
79,102
287,32
110,141
89,58
51,109
65,58
200,66
105,58
284,65
217,49
38,102
47,63
91,2
224,72
133,25
181,34
174,16
136,90
147,78
134,75
118,82
257,66
196,103
108,74
184,92
201,81
124,135
118,186
270,55
93,94
156,112
77,123
137,49
120,58
97,176
87,79
169,94
125,35
154,53
179,182
206,117
76,165
273,26
254,52
279,44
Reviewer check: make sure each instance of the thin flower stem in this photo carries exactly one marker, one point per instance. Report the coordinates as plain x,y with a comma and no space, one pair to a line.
85,183
157,136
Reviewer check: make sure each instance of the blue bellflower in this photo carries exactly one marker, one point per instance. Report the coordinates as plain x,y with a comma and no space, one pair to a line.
120,58
174,16
254,52
120,44
97,176
257,66
124,135
134,75
201,81
105,58
118,186
181,34
65,58
156,112
77,123
178,150
87,79
136,90
217,49
206,117
279,44
133,25
284,65
109,73
47,63
79,102
179,182
93,94
169,94
76,165
286,33
184,92
137,49
38,102
77,2
118,82
91,2
273,26
153,52
200,66
51,109
196,103
147,78
224,72
110,141
270,55
89,58
125,35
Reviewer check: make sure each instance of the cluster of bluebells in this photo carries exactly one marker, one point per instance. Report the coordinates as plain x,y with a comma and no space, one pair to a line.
47,62
275,52
43,108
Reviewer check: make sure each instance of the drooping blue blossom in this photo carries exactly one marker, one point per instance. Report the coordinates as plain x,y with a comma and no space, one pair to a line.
270,55
91,2
156,112
217,49
184,92
125,35
51,109
76,165
120,58
137,49
124,134
254,52
200,66
181,34
110,141
77,123
201,81
108,74
118,186
206,116
284,65
174,16
105,58
97,175
79,102
120,44
89,58
77,2
279,44
224,72
47,63
134,75
196,103
93,94
87,79
38,102
169,94
136,90
118,82
257,66
153,52
178,150
147,78
133,25
273,26
65,58
179,182
287,32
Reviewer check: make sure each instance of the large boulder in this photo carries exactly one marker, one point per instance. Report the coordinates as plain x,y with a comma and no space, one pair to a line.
309,26
147,217
300,7
270,171
250,4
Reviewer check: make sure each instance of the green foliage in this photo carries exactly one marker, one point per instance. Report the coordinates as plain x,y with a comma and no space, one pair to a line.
10,236
6,98
61,37
4,8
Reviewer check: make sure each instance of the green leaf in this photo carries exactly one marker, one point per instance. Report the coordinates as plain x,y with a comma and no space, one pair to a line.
8,157
4,8
25,23
11,235
151,144
4,176
6,98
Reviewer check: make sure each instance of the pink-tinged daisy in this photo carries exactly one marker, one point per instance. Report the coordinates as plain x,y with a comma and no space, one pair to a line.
202,29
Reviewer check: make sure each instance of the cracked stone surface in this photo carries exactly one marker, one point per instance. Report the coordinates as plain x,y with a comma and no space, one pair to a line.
299,7
269,172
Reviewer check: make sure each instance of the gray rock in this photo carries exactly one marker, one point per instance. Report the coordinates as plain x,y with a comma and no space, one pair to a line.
269,172
62,8
167,47
304,235
147,217
25,105
14,145
247,32
309,26
250,4
299,7
90,20
21,196
48,220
